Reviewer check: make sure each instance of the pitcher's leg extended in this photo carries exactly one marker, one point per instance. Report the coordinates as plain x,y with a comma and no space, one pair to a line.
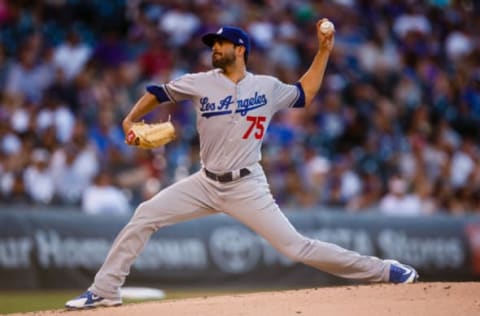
272,225
257,209
182,201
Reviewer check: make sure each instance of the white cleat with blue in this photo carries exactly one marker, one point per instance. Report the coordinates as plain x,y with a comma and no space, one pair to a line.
401,273
91,300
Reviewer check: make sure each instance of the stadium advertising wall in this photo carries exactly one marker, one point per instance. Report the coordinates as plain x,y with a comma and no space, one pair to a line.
65,249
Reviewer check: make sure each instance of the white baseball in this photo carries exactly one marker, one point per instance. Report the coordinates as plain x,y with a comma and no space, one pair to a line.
327,27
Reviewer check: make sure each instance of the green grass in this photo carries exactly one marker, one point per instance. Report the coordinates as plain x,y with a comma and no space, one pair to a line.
30,301
27,301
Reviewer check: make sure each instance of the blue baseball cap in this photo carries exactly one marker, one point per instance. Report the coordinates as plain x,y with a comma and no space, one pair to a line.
230,33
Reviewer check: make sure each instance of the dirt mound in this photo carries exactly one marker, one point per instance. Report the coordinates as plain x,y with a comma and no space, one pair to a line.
380,299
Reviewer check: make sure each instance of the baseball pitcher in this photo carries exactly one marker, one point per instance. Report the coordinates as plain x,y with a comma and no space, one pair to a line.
234,108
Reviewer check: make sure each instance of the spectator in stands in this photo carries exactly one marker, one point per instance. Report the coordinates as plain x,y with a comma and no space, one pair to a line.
28,76
102,197
10,142
179,23
315,173
107,135
56,115
11,180
369,195
463,163
398,200
74,168
343,183
72,55
38,178
423,189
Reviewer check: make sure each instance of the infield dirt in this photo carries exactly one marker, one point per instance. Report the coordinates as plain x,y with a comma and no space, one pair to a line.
437,298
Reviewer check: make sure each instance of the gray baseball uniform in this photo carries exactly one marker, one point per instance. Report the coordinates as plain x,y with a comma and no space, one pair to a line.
231,121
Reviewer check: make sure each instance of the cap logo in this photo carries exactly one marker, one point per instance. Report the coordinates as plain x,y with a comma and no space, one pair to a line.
240,41
220,31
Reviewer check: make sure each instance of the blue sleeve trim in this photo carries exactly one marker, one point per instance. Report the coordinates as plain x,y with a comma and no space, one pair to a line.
159,93
300,103
169,94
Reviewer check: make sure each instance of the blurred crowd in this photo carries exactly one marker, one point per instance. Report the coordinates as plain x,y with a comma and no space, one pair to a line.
395,128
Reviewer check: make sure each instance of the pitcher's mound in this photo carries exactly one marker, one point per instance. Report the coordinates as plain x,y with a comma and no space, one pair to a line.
381,299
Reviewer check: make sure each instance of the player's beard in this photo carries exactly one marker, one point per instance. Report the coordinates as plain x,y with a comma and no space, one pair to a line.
224,60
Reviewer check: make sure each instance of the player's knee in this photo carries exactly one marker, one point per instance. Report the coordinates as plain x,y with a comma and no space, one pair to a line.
151,215
142,221
142,208
142,212
293,255
297,251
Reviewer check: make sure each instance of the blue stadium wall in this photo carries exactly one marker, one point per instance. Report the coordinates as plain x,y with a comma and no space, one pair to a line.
64,249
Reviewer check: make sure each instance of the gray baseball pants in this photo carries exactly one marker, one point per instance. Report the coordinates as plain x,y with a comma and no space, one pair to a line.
248,200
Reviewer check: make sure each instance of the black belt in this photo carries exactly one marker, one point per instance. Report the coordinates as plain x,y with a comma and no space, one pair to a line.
226,177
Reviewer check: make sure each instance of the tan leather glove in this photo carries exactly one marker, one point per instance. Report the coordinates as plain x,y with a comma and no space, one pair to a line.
149,136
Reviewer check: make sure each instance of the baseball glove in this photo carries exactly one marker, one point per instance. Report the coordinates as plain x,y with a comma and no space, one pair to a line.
149,136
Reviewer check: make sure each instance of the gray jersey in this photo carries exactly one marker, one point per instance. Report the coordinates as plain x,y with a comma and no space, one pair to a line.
232,118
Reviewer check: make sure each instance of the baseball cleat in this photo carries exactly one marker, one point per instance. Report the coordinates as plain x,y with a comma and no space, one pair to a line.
91,300
401,273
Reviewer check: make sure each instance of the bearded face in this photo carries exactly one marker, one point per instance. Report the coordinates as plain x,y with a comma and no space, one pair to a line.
223,59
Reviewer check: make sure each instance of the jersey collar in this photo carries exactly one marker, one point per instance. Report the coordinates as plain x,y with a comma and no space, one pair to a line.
219,72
